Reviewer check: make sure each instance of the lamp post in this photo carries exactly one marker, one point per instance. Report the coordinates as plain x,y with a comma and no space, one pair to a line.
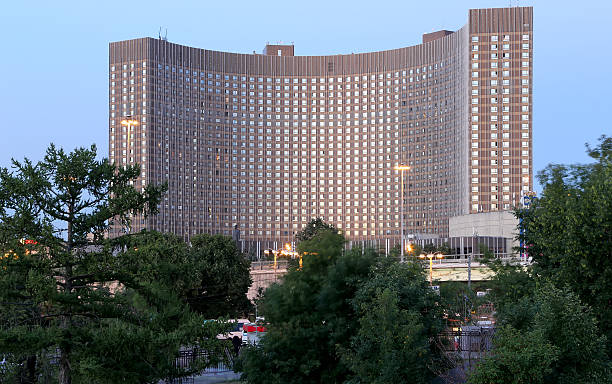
274,252
431,256
129,122
402,168
474,243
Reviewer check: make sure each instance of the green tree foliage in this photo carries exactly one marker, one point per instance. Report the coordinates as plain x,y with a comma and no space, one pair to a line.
559,343
321,250
511,291
416,251
457,301
431,248
444,249
520,357
323,319
570,326
568,230
225,278
561,301
309,313
110,307
311,229
398,316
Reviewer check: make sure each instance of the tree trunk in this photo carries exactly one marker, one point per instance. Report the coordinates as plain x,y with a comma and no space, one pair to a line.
64,375
27,371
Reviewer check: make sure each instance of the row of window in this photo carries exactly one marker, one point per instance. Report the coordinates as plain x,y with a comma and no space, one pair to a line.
476,39
495,47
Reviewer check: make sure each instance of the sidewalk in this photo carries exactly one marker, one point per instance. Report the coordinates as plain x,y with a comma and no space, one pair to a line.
216,377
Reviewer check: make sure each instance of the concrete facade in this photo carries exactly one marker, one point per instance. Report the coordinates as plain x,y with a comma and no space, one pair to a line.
268,142
493,224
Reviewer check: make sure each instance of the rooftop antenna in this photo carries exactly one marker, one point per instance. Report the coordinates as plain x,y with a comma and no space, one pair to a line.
159,35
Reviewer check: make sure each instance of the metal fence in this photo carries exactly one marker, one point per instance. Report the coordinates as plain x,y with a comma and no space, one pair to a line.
187,357
266,264
469,344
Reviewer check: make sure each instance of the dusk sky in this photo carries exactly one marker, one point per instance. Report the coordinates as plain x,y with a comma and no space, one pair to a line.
54,64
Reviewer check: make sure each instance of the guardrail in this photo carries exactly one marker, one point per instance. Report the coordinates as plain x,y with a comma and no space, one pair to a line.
259,265
446,260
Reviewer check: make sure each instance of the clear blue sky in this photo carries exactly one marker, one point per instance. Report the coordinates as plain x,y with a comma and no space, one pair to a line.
55,74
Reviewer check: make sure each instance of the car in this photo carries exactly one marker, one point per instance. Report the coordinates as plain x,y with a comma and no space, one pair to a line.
234,328
253,332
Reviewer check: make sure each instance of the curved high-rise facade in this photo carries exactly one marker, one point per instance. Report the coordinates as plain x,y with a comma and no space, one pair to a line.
268,141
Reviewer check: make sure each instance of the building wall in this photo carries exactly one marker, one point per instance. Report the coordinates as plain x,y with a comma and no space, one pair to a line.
487,224
501,53
268,142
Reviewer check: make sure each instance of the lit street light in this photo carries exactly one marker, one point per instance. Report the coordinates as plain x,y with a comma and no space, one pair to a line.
402,168
431,256
129,122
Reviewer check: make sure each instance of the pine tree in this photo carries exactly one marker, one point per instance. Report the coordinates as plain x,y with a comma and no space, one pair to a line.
66,287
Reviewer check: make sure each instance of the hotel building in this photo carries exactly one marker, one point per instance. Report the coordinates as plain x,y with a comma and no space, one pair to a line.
266,142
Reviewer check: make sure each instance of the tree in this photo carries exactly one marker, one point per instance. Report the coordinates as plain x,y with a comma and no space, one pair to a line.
110,306
568,230
559,343
311,229
429,248
310,315
325,320
225,278
444,249
519,357
413,250
512,290
398,317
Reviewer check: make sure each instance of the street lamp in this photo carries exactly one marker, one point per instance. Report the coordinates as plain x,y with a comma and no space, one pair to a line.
129,122
409,248
402,168
431,256
274,252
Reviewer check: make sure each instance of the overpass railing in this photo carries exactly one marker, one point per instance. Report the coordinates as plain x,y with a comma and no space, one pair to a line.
449,260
